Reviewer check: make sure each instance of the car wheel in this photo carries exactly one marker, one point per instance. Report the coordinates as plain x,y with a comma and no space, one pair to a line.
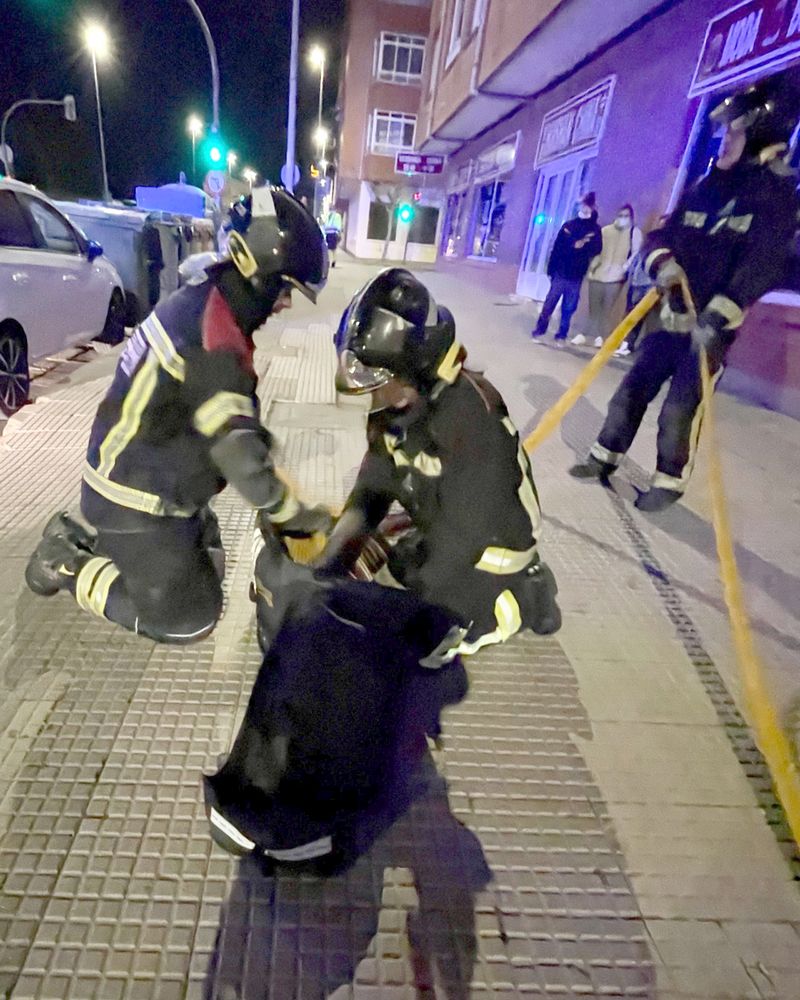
15,379
114,329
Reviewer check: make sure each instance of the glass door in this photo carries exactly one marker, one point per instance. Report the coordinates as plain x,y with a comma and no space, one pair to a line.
559,187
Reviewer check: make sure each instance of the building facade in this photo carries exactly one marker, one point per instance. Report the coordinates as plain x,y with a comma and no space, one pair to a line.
386,50
536,102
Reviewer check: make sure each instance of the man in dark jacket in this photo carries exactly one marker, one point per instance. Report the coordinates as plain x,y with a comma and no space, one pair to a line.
578,241
442,445
726,244
179,421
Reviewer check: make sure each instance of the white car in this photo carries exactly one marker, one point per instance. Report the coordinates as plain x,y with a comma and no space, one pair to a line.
56,288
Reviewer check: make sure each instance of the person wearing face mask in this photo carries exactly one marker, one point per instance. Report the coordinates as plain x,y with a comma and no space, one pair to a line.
442,445
727,243
607,273
179,421
577,243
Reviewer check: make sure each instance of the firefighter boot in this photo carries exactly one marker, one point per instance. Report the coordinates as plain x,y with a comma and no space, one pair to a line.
54,565
64,526
592,468
656,499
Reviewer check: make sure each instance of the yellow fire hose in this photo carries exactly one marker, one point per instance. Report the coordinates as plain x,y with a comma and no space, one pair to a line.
770,737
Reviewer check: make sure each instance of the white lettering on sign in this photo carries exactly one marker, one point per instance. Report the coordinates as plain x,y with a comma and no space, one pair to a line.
794,24
741,40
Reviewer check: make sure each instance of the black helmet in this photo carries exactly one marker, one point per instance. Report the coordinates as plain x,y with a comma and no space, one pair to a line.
272,233
763,112
393,328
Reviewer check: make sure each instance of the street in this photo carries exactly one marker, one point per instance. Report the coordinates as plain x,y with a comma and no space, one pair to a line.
603,825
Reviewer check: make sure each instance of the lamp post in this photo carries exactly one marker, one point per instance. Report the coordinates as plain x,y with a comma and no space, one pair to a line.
291,111
98,44
317,59
250,176
195,127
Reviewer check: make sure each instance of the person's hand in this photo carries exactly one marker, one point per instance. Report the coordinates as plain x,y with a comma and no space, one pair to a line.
670,275
305,522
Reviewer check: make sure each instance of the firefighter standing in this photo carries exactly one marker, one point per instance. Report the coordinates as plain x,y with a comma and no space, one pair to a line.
441,444
180,419
726,245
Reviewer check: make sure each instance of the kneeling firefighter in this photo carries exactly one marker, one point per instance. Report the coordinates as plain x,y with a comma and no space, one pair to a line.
179,421
442,445
726,244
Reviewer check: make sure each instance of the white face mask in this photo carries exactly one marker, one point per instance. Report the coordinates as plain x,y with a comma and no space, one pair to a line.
584,212
623,222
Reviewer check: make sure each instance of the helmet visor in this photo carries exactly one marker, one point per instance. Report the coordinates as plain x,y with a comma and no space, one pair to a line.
354,378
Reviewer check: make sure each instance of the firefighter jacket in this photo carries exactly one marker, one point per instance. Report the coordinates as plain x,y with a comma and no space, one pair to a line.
459,470
184,382
731,233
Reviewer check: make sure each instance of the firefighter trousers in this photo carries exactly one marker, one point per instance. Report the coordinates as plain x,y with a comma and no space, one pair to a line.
662,357
156,576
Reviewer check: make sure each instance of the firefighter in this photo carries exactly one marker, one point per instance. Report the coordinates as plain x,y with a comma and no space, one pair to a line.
725,245
441,444
178,422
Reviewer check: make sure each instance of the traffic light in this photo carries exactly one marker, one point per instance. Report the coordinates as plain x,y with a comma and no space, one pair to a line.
405,213
214,151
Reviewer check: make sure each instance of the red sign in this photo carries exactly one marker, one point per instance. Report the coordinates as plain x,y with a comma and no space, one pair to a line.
576,125
418,163
755,34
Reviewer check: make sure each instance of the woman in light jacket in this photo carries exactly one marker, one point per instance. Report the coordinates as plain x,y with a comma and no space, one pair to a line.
607,273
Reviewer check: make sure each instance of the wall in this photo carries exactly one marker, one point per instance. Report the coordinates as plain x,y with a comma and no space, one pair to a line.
507,24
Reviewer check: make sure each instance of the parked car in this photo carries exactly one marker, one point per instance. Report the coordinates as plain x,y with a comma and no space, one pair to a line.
56,288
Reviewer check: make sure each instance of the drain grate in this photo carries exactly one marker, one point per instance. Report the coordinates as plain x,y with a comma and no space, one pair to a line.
734,725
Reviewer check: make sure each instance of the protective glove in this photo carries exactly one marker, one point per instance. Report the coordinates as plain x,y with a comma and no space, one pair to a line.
302,522
707,335
343,545
670,275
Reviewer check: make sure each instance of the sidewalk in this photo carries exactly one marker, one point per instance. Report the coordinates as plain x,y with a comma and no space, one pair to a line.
607,829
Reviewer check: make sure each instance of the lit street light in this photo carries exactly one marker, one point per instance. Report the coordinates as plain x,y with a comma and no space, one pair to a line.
195,127
250,176
98,43
231,159
317,59
321,136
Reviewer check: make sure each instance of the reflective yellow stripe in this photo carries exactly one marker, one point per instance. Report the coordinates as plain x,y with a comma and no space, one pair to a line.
654,256
287,510
740,223
127,496
89,576
163,348
212,415
509,622
449,367
139,395
428,465
727,308
695,219
504,561
98,596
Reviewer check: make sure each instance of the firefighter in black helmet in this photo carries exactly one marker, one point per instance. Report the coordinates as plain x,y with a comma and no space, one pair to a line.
727,243
179,421
441,444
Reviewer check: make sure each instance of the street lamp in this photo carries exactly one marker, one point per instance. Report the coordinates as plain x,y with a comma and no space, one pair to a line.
317,59
195,127
231,159
250,176
321,136
98,43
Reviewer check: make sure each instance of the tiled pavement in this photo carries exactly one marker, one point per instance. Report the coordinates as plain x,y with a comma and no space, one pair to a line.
596,830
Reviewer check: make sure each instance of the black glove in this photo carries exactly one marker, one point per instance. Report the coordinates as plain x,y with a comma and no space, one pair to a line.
243,457
344,544
670,275
709,334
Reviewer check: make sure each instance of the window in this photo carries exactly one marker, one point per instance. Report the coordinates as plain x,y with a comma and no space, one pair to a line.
423,227
378,222
455,223
456,27
490,214
400,58
54,228
478,14
15,228
392,132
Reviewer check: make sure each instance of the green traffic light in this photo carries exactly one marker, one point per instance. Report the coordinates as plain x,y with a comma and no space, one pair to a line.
213,151
405,213
215,154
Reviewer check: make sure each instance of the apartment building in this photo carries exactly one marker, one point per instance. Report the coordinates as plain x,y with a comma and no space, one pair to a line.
537,101
386,50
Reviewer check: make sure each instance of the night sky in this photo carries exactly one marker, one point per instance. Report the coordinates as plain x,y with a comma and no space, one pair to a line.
158,75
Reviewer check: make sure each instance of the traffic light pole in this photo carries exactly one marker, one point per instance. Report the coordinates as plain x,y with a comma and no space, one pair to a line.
212,55
291,118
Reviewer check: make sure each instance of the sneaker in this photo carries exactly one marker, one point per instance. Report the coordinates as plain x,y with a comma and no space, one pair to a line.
63,526
598,342
54,565
538,331
592,468
623,350
578,340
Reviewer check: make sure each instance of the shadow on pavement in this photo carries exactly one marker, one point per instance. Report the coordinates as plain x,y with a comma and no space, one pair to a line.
301,937
578,432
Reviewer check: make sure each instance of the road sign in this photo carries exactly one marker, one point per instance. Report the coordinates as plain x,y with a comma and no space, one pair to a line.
418,163
214,182
284,175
